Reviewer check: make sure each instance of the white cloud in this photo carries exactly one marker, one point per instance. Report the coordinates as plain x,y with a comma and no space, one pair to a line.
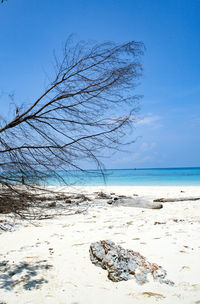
147,146
150,120
145,153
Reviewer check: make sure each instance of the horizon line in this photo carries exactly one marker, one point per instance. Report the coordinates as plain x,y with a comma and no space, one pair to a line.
154,168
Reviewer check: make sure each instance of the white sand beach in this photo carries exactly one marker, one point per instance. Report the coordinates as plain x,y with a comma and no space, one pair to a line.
48,261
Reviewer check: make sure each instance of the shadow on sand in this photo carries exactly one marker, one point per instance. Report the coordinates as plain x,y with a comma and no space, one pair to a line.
27,275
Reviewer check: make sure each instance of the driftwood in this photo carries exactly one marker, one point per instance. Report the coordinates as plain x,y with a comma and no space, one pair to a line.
126,201
45,204
137,202
179,199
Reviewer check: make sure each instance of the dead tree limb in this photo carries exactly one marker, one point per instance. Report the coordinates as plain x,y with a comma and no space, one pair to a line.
86,109
178,199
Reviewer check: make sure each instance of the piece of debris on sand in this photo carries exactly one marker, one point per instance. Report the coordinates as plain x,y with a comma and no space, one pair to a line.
124,264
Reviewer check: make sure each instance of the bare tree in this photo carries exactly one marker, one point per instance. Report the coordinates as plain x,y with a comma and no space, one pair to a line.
85,109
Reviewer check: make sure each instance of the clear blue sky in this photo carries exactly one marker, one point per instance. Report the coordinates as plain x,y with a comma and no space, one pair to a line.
169,132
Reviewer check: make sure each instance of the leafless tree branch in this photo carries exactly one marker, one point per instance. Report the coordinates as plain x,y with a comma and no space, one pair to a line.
86,108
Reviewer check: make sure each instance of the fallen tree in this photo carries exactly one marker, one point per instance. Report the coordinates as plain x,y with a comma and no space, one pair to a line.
87,108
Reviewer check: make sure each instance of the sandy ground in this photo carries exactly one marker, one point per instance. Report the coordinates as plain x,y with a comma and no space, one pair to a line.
48,261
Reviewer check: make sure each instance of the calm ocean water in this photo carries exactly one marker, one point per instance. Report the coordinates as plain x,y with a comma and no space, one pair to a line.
134,177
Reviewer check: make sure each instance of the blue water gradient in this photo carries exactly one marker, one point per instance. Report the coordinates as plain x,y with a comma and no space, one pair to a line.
133,177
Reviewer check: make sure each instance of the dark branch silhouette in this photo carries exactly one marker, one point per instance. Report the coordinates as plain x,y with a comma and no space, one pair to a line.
85,110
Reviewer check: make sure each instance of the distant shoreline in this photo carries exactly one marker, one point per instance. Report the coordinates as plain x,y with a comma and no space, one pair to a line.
131,177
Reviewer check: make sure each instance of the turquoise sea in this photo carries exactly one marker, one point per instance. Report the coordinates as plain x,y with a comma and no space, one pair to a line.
133,177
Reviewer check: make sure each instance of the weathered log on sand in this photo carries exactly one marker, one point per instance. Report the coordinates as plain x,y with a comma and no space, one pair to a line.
179,199
138,202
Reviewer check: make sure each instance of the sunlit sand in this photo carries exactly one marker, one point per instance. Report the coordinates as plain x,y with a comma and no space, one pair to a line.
48,261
